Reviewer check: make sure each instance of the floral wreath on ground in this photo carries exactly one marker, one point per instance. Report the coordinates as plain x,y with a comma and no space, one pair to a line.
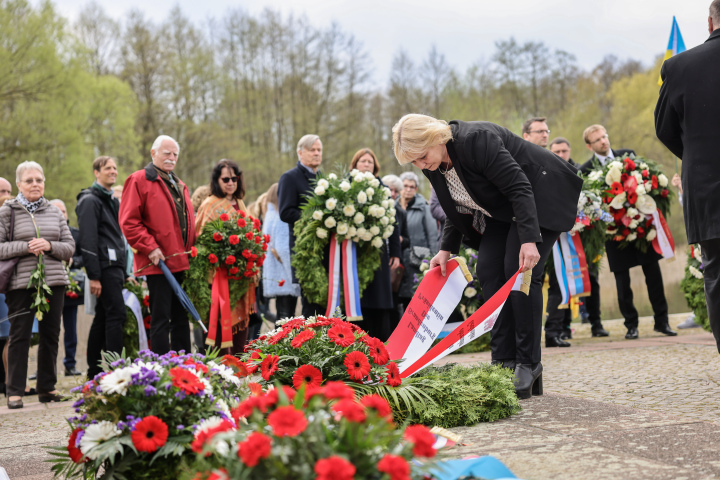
234,242
131,339
693,286
356,207
319,350
325,433
136,419
632,189
472,297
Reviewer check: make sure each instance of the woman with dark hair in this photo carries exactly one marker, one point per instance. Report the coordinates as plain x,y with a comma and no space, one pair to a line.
227,190
377,298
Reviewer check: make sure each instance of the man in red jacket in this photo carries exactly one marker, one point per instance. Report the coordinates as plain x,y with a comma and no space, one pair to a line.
157,218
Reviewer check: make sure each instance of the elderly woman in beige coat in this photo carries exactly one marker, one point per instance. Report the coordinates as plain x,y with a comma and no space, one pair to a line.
39,227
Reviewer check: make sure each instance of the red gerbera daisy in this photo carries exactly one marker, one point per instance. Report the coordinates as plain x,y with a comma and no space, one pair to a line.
271,396
278,336
193,252
269,366
75,454
339,390
307,375
217,236
377,403
422,439
224,217
149,434
357,364
205,435
234,239
287,421
334,468
248,406
350,410
255,447
213,258
378,352
186,381
616,188
395,466
240,368
301,338
393,375
255,388
342,335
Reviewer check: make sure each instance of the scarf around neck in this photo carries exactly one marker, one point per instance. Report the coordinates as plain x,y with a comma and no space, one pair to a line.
30,206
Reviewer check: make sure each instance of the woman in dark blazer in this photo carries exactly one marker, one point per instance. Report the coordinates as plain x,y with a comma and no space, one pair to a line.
510,199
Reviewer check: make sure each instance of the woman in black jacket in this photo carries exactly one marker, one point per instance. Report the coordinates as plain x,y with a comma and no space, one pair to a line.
514,196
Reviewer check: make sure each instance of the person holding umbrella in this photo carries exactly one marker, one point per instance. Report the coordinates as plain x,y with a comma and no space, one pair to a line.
157,218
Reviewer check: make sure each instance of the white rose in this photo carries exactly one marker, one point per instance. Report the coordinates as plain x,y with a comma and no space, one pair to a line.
616,164
375,183
330,203
648,186
369,176
372,210
613,176
651,235
392,212
367,237
375,230
633,225
352,231
359,218
330,222
638,177
358,178
618,202
631,212
662,180
349,210
377,242
319,191
344,186
643,166
385,204
645,204
342,228
388,231
355,172
631,237
361,232
470,292
384,221
640,190
379,212
695,272
370,192
323,183
317,215
332,176
321,233
387,193
697,253
356,239
362,197
594,175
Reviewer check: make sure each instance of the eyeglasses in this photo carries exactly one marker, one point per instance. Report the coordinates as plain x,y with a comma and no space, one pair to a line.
410,187
229,179
540,131
30,181
595,141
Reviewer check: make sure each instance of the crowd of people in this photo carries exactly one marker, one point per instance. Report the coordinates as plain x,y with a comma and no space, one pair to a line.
507,196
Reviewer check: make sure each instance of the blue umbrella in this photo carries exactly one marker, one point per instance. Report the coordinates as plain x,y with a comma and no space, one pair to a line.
184,299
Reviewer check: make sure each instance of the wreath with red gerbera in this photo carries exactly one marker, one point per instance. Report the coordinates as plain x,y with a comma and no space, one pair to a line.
149,434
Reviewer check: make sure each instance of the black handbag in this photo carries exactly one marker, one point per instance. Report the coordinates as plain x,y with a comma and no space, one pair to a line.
417,255
7,267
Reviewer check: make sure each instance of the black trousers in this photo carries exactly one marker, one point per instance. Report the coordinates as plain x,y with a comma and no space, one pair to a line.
517,331
592,302
106,331
170,325
69,321
711,261
311,309
656,292
285,305
21,321
376,322
558,319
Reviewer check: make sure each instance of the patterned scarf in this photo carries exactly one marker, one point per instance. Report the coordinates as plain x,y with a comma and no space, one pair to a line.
30,206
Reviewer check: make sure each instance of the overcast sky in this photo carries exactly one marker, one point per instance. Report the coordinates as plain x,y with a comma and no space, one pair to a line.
465,30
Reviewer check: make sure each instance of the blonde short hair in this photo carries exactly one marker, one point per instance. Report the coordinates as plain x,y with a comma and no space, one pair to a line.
415,133
590,130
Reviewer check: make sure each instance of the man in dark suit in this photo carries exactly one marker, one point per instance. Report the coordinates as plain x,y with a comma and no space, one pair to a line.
293,185
622,260
686,122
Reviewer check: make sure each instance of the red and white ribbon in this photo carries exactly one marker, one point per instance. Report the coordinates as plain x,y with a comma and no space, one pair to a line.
435,299
663,243
343,265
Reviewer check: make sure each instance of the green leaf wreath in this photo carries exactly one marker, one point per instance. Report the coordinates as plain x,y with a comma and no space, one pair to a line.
693,286
233,241
357,207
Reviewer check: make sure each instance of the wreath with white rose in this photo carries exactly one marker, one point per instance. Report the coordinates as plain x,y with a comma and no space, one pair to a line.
357,207
632,189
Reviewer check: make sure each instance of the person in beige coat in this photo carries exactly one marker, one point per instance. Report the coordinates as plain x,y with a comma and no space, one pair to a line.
39,227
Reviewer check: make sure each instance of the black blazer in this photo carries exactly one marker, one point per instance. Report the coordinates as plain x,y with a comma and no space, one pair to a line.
292,187
686,121
593,162
512,179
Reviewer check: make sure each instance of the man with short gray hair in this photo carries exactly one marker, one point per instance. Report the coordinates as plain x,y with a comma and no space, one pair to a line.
5,188
686,122
292,187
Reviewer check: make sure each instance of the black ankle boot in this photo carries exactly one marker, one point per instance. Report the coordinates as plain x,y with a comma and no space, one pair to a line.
528,380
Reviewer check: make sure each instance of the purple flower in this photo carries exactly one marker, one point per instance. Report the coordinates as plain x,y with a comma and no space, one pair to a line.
79,437
150,390
181,427
79,403
121,425
180,395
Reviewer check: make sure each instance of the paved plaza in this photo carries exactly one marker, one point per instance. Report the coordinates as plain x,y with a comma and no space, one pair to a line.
613,408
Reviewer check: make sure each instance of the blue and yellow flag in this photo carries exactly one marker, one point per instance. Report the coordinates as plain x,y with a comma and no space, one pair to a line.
675,45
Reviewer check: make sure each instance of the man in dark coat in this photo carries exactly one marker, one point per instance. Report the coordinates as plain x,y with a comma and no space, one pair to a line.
622,260
103,249
292,187
686,122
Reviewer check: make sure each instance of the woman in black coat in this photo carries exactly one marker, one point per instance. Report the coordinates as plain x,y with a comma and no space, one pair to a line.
514,196
377,298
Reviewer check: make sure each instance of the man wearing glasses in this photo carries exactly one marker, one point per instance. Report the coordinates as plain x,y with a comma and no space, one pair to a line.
622,260
535,130
157,219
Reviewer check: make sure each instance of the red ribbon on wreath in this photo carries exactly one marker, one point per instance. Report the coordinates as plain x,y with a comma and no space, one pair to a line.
220,307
